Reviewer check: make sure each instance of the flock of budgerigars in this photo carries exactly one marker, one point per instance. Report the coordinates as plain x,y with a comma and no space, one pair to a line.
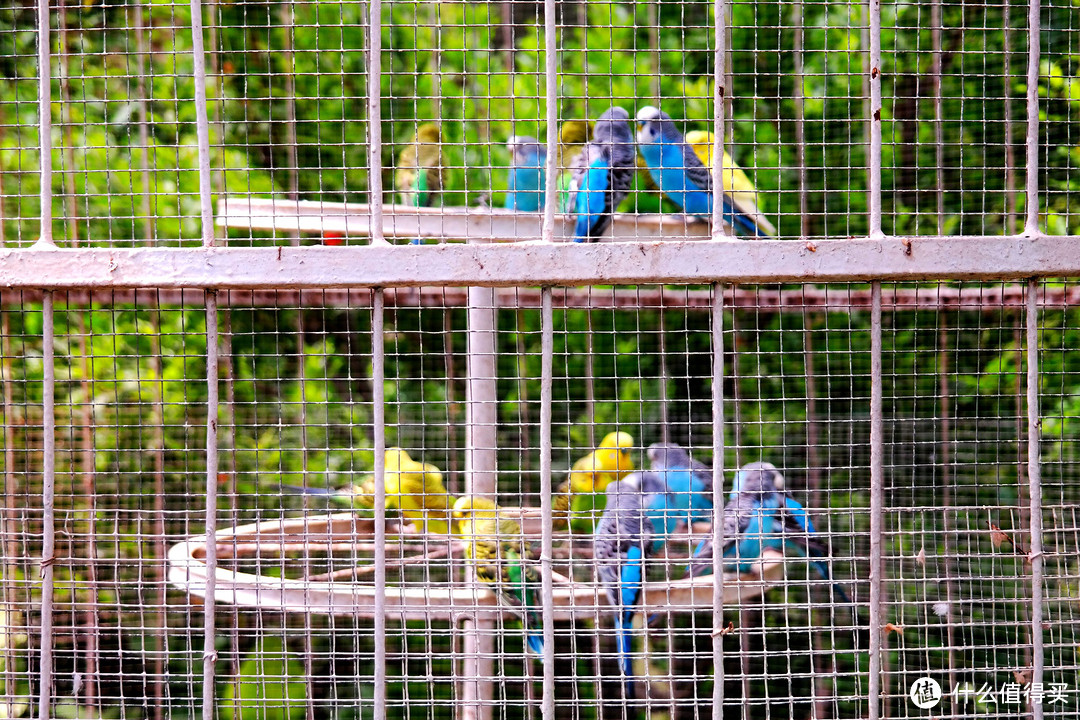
643,509
597,162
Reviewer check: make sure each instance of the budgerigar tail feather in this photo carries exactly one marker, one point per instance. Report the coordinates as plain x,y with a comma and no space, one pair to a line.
320,492
823,571
536,643
738,219
624,627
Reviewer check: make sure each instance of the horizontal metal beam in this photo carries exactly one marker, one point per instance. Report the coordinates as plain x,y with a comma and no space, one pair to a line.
762,300
538,263
450,223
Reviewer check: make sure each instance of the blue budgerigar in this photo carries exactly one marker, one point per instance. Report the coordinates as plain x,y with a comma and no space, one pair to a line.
602,174
759,515
525,181
622,542
679,490
684,475
681,175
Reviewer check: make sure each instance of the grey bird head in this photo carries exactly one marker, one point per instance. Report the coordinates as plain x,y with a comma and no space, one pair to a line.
655,125
669,455
613,129
759,478
526,151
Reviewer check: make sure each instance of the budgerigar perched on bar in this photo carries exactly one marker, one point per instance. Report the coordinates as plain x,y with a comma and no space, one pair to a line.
573,134
525,176
760,515
591,474
622,542
419,175
603,175
497,550
681,174
415,488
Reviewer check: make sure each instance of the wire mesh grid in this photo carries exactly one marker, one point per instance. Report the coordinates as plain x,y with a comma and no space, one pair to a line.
304,534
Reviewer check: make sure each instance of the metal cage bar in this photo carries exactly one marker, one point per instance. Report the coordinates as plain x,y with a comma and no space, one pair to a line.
1031,161
374,124
48,501
547,354
877,505
209,709
378,383
720,98
202,124
718,449
874,121
48,330
1034,472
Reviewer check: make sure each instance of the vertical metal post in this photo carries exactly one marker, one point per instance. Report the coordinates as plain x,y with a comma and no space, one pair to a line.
288,19
1007,117
800,117
68,145
874,200
877,499
202,123
1031,223
48,498
1035,483
209,710
378,399
547,353
718,496
45,230
939,130
947,502
48,393
374,104
481,401
480,479
547,234
720,91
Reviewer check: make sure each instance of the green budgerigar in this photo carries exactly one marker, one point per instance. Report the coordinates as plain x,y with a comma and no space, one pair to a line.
573,134
419,174
496,548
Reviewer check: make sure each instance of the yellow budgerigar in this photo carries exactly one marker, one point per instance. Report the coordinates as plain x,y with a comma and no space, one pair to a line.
592,473
737,185
417,489
497,550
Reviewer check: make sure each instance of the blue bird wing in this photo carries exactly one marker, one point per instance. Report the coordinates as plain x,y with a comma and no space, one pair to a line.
697,174
593,200
631,576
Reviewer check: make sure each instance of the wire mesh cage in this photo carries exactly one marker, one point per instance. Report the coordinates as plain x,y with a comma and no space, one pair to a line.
348,351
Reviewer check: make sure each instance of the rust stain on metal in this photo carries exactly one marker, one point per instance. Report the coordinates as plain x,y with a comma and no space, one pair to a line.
874,73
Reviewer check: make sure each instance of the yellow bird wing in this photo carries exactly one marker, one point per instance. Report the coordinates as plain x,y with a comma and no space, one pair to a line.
737,185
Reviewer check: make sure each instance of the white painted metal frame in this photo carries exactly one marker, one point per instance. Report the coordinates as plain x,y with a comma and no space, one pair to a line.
544,263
